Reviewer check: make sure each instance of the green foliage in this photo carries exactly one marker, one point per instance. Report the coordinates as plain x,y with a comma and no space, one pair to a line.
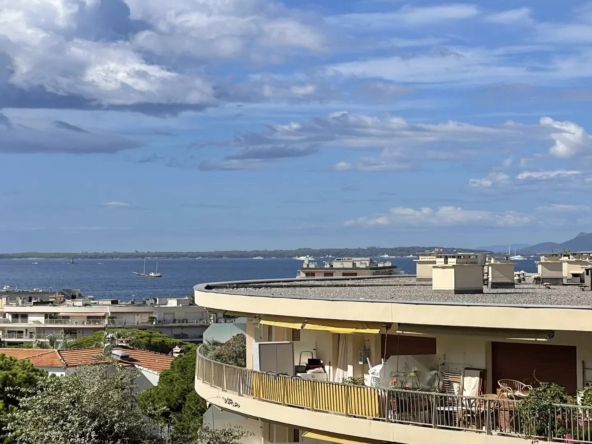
227,435
231,352
587,396
174,401
139,339
16,377
95,405
535,408
353,381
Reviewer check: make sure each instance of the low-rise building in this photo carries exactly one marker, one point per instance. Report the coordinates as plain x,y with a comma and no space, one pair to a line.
63,362
29,316
456,366
347,267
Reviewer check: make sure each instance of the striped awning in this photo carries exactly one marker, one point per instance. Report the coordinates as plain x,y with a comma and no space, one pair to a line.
283,321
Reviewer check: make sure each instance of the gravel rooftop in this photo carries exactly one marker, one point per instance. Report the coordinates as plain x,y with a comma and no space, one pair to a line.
405,289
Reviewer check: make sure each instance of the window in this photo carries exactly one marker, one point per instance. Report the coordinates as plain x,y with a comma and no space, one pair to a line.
295,335
296,435
309,274
327,274
349,274
269,333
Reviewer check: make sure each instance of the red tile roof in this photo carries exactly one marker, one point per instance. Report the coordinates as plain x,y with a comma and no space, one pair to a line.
156,362
38,357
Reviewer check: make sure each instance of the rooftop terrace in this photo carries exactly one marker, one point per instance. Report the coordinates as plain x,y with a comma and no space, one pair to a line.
404,289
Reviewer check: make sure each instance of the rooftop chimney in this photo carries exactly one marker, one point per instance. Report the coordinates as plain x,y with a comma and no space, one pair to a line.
501,274
457,274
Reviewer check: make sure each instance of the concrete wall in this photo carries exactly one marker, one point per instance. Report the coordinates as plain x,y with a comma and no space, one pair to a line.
550,269
443,278
501,273
424,268
468,277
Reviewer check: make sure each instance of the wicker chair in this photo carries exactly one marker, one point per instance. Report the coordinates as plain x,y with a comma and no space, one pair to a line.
514,389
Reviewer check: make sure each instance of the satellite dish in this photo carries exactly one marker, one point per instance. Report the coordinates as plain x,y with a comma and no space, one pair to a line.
107,349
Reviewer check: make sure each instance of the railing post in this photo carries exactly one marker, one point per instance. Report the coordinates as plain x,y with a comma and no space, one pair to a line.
488,416
284,388
240,382
434,410
347,398
211,373
314,396
224,377
550,427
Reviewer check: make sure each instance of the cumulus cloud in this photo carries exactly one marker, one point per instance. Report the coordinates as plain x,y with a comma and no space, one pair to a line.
570,139
116,204
446,216
528,180
58,137
136,53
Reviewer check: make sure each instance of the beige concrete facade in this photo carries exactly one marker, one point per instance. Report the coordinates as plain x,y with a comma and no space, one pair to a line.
501,275
423,267
457,279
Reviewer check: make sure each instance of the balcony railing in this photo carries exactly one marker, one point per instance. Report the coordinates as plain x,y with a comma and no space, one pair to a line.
53,322
495,416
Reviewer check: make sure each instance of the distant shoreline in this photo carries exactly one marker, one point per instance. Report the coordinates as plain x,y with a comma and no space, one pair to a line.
238,254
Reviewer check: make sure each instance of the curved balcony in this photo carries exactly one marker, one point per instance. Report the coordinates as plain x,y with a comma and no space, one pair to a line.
401,416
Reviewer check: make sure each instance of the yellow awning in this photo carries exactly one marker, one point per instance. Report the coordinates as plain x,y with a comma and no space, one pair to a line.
343,327
339,439
283,321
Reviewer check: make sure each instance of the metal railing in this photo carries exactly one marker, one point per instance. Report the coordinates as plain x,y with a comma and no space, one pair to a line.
499,416
53,322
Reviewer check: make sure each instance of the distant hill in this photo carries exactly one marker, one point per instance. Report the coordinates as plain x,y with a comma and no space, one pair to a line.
582,242
502,248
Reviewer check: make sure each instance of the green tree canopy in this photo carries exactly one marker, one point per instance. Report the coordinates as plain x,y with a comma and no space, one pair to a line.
95,405
139,339
16,376
174,401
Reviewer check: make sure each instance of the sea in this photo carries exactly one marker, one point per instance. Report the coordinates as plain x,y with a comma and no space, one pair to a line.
114,278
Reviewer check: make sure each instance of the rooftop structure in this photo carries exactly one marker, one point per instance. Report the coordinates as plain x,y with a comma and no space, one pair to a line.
484,346
345,267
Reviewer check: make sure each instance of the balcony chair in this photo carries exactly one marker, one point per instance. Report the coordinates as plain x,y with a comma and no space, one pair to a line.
514,389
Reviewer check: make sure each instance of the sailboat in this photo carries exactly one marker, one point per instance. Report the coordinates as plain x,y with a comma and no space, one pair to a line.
72,261
152,274
516,257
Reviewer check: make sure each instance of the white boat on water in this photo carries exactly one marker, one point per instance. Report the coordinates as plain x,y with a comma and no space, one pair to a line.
34,263
303,258
152,274
258,257
386,256
411,256
515,257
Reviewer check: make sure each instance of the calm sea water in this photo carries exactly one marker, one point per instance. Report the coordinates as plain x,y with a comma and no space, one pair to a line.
114,278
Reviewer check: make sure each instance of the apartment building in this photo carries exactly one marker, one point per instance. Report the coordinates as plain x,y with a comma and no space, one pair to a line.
347,267
448,362
31,316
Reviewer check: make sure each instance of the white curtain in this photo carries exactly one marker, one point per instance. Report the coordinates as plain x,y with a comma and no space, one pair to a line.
341,370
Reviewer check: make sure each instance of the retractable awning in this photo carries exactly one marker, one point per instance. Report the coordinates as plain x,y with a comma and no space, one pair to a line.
283,321
339,439
343,327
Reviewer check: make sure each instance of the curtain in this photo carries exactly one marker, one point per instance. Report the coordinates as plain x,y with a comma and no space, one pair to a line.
342,364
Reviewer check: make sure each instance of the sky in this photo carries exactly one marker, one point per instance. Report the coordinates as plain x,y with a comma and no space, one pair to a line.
200,125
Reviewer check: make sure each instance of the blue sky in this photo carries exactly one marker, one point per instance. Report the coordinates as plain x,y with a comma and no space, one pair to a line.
201,124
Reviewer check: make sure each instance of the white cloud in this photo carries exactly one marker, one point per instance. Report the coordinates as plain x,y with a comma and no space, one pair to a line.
570,140
563,208
116,204
518,16
407,15
138,52
389,160
528,180
446,216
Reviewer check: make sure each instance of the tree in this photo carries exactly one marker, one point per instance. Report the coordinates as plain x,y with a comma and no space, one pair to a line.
95,405
226,435
174,402
231,352
139,339
16,376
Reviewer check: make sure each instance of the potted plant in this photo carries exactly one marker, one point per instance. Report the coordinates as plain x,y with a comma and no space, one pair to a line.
152,320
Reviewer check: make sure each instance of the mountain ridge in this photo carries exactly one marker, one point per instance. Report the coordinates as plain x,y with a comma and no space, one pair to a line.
581,242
